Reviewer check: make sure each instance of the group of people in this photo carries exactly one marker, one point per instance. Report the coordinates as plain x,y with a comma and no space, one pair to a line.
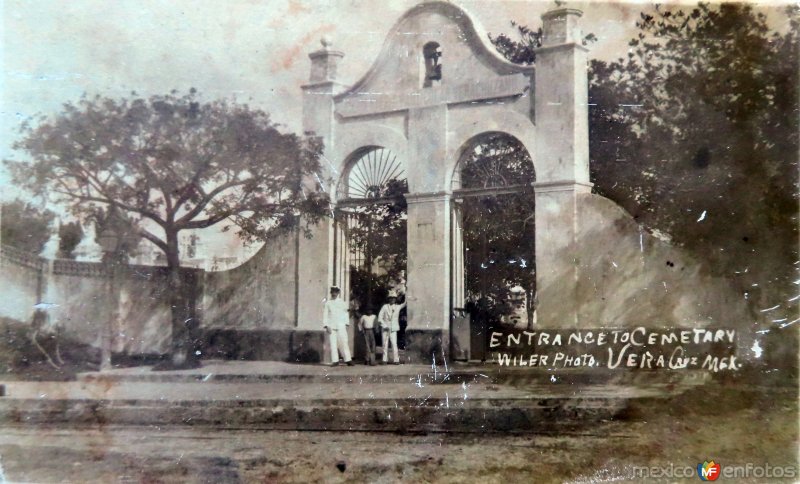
336,319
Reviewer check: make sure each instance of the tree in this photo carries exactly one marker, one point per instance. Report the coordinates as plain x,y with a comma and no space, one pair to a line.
69,236
25,226
127,230
173,163
695,133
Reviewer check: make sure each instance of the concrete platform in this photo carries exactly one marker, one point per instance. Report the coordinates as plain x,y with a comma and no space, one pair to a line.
282,396
454,373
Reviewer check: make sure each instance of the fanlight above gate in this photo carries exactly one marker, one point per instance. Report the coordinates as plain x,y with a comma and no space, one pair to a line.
493,161
376,173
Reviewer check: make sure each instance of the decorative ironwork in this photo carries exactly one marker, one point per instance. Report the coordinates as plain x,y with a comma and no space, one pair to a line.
493,231
370,235
494,161
372,175
64,267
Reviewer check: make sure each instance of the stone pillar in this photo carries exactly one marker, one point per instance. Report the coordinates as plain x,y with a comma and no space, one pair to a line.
428,293
314,272
556,256
562,96
562,154
318,93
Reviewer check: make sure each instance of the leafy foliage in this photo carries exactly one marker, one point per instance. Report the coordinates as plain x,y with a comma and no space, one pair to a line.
171,163
25,226
496,160
69,236
523,50
716,133
126,230
695,133
174,161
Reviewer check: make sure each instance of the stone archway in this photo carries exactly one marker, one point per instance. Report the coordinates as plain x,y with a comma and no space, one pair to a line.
416,100
493,236
370,250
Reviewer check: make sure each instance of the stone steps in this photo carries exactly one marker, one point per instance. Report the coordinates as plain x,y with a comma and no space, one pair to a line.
520,377
278,396
156,377
546,415
361,374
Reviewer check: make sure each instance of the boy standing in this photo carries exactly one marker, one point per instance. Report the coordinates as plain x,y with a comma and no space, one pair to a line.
367,324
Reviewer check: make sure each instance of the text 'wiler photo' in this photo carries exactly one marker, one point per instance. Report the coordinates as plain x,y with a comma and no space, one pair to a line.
354,241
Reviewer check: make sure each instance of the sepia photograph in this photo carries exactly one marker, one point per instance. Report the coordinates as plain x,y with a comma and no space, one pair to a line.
292,241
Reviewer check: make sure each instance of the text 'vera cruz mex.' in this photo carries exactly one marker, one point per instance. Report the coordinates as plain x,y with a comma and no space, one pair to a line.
640,348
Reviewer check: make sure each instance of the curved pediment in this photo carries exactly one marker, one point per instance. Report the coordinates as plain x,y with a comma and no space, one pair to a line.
468,65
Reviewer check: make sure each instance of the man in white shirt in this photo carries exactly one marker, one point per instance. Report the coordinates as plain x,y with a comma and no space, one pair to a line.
389,318
335,320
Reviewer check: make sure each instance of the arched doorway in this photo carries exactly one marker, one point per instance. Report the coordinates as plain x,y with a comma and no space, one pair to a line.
370,236
493,263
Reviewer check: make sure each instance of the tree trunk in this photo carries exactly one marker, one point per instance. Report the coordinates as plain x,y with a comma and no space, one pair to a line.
183,325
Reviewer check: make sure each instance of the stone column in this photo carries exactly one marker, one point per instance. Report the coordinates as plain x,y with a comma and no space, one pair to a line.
428,292
562,157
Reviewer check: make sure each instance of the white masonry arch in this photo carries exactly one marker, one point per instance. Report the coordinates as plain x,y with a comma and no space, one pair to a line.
423,99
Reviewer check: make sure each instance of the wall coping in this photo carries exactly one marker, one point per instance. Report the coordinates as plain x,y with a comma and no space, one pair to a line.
22,257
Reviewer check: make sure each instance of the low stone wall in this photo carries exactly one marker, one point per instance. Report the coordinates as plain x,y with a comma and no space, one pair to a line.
246,313
79,298
20,282
289,345
259,295
628,277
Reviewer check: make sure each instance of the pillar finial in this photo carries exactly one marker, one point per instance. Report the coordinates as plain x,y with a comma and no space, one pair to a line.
326,42
324,62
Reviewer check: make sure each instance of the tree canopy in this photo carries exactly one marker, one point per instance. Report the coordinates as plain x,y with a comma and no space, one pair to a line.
70,235
695,132
174,161
25,226
171,163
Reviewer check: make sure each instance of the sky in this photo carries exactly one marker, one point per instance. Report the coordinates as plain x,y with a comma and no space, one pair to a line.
254,50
